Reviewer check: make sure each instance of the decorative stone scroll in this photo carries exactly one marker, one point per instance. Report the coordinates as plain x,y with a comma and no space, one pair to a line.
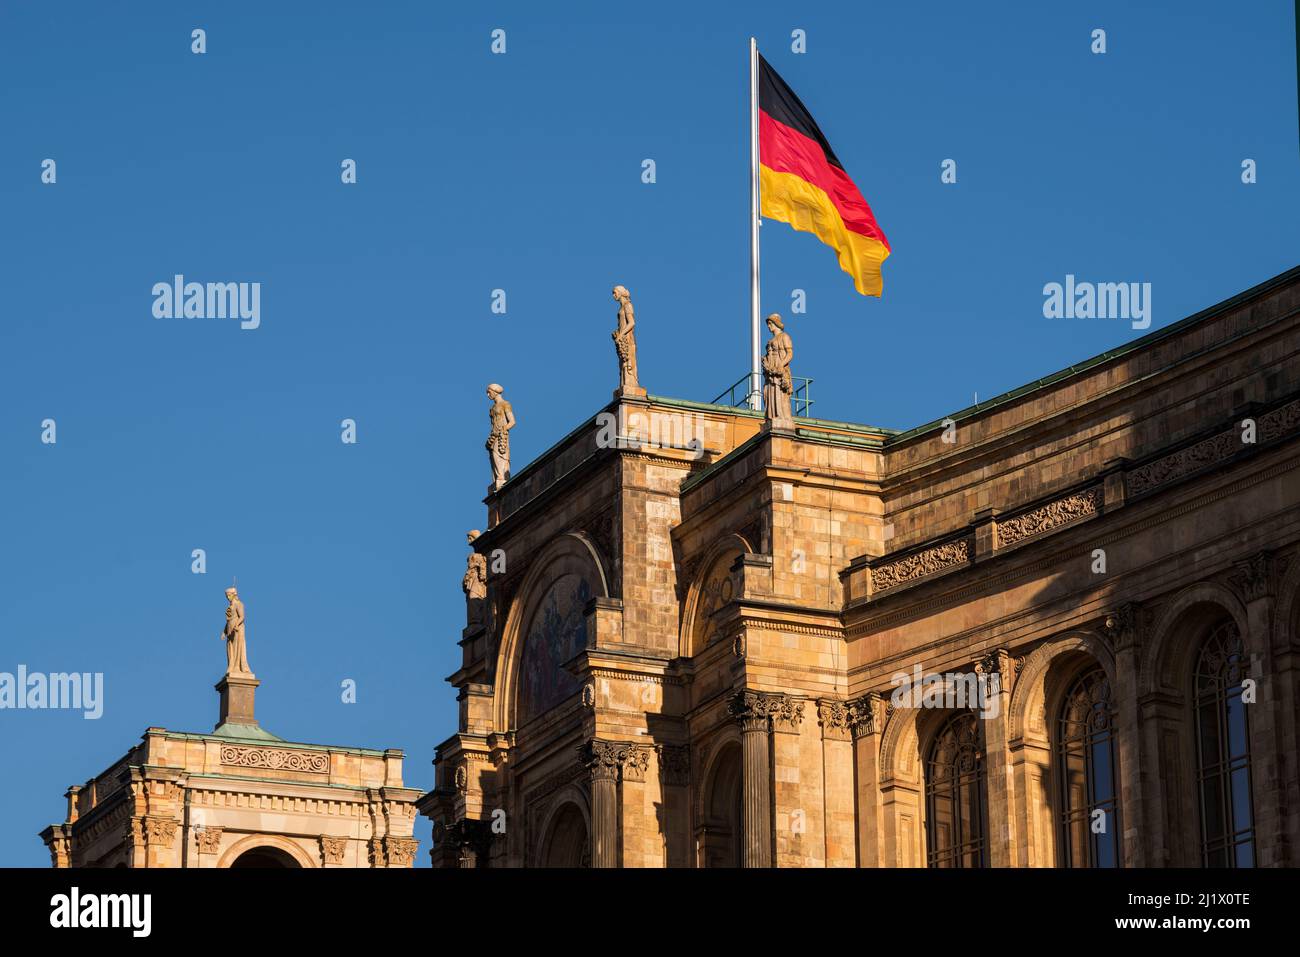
920,565
275,759
1053,515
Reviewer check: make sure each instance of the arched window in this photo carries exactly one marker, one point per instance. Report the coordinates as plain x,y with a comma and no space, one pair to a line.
1086,757
956,816
1223,751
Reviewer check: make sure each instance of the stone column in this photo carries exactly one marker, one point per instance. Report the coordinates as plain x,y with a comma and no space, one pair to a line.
674,781
752,711
866,779
994,674
1272,730
839,826
1125,627
603,760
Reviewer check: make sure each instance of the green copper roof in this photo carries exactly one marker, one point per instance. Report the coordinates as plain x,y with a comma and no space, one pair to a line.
244,732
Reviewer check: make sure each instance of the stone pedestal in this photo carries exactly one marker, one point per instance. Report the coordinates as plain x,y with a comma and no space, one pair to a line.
237,699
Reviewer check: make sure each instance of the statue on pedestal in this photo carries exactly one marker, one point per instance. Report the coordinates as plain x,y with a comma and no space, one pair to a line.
498,441
624,337
233,636
778,386
474,584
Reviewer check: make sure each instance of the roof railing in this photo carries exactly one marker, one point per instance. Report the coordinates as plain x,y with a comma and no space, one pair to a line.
801,399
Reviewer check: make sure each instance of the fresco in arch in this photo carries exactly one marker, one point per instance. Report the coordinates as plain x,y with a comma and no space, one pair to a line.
557,632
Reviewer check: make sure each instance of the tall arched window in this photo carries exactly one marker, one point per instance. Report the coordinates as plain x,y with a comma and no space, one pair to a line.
1086,757
956,815
1223,751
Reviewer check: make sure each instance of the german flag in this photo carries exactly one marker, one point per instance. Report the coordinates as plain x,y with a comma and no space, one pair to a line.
803,183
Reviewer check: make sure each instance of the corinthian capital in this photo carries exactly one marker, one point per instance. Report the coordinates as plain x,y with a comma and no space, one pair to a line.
758,710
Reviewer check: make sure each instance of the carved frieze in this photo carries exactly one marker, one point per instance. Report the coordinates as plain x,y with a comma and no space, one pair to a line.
1184,462
1053,515
1280,422
275,759
920,565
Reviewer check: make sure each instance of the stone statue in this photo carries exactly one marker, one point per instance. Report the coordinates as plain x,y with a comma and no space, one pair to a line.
233,636
498,441
474,584
625,344
777,384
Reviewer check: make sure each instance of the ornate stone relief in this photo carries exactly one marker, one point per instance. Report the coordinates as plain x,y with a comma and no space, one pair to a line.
1051,516
920,565
275,759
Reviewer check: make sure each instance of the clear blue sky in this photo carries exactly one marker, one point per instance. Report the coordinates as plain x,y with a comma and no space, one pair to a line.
521,172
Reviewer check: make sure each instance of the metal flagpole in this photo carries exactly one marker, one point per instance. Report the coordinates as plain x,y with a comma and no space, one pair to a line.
755,373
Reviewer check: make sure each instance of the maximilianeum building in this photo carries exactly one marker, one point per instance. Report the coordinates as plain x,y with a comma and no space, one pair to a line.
1057,629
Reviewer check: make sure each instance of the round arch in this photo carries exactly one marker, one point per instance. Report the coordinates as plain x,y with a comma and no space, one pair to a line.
722,553
565,831
719,805
271,841
568,553
1286,621
1031,692
1168,662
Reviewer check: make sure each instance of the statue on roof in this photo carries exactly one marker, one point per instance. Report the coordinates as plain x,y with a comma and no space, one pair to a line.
474,584
498,442
233,635
778,386
624,337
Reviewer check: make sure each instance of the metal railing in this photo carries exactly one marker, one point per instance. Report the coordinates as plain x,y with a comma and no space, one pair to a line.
801,399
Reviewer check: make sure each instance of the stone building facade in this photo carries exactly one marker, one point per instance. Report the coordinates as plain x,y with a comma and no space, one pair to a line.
239,797
1058,628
